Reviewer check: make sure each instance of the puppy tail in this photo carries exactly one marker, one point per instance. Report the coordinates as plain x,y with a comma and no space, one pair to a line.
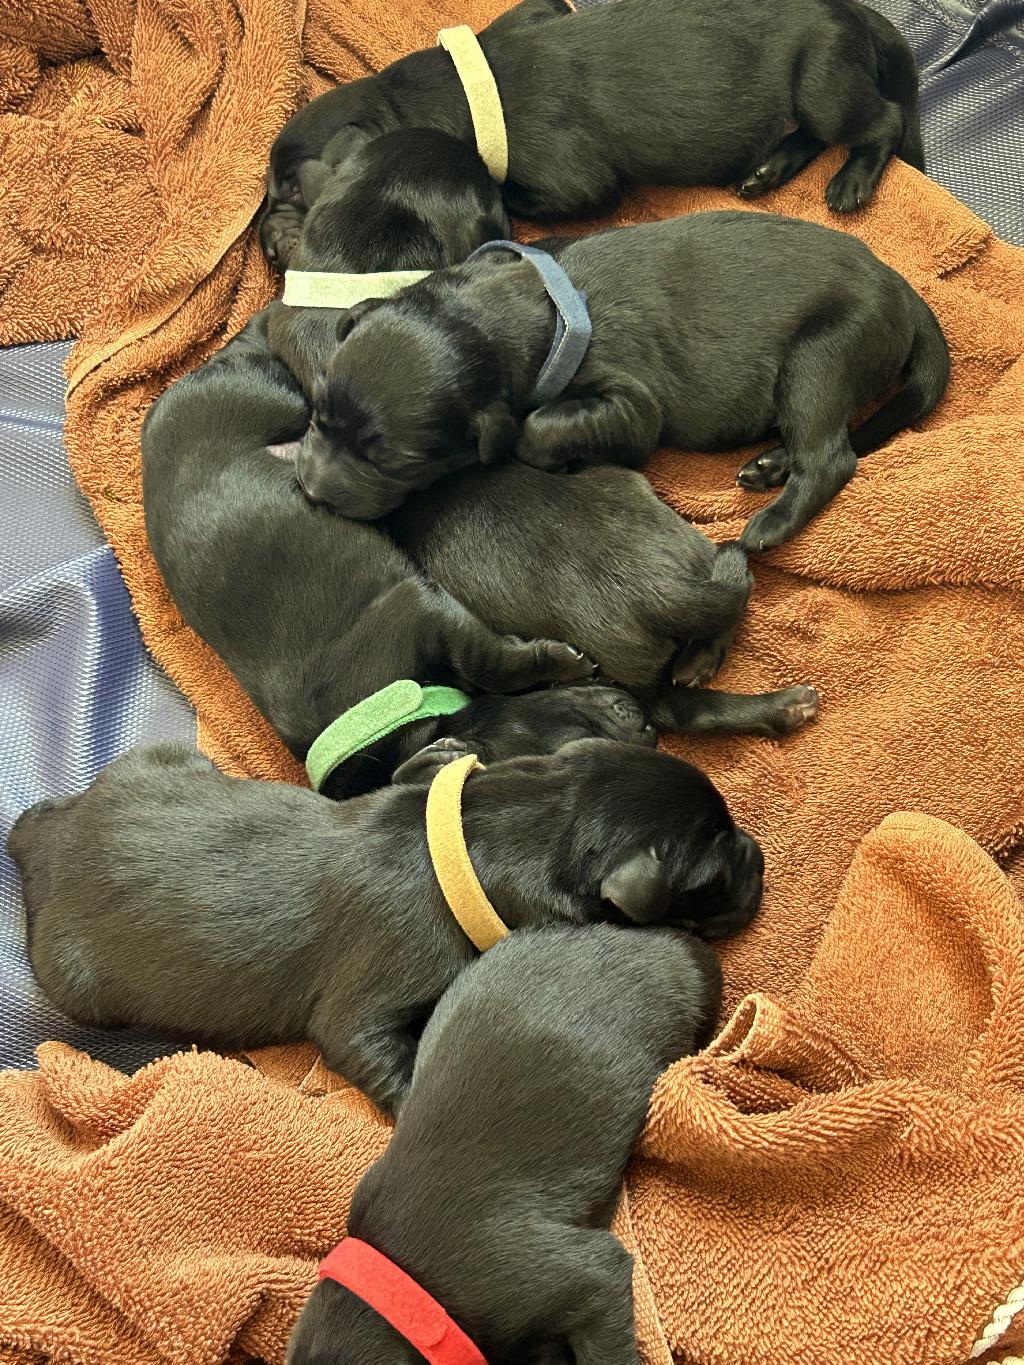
715,603
898,81
925,379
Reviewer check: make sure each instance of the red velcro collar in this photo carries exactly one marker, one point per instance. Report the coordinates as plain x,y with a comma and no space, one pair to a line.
410,1310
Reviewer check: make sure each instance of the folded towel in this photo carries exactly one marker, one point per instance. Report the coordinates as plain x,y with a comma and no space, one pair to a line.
838,1180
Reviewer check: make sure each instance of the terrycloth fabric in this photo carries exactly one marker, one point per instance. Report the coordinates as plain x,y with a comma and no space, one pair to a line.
839,1181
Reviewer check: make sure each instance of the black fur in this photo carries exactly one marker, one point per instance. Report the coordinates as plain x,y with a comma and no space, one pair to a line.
652,91
709,331
497,1190
313,614
171,897
598,556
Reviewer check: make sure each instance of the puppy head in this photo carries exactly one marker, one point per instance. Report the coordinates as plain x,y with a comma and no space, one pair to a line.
498,728
323,132
648,839
415,199
403,403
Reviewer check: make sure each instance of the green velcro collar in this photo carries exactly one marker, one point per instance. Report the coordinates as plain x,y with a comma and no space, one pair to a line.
400,703
332,289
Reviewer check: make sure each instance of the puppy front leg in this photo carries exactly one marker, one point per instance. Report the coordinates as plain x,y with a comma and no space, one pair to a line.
620,425
491,662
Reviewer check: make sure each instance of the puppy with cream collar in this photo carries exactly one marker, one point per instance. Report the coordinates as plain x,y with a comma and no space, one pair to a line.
482,1233
170,897
640,91
704,332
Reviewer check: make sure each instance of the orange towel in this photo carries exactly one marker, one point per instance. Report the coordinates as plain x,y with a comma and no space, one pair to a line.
134,136
840,1180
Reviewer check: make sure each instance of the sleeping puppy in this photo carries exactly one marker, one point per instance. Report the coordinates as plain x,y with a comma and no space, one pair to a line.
530,1089
662,604
648,91
416,200
171,897
599,558
312,614
709,331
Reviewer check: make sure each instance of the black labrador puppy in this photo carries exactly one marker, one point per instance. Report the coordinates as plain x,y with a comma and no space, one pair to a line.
599,557
313,614
416,200
709,331
531,1086
649,91
172,897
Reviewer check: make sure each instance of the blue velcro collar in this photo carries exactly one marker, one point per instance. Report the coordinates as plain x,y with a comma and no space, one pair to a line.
572,325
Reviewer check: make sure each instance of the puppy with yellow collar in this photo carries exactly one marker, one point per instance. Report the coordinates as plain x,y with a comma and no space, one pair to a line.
170,897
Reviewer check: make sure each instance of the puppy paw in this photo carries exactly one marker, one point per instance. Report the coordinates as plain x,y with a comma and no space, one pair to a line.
849,189
768,176
564,663
796,706
698,663
769,470
765,530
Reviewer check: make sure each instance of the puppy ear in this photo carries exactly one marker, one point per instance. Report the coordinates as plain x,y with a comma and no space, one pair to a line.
344,143
497,432
312,176
425,765
349,319
639,888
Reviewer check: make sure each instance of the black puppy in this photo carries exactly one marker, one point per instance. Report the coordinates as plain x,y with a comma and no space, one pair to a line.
242,912
311,614
416,200
598,557
531,1086
709,331
651,91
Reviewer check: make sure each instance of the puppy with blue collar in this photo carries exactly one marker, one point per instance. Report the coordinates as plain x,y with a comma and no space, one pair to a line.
703,332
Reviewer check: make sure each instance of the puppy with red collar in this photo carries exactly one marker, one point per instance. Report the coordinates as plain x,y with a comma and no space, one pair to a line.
482,1233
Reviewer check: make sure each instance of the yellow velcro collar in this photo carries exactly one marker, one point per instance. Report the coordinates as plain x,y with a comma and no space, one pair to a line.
327,289
479,920
482,96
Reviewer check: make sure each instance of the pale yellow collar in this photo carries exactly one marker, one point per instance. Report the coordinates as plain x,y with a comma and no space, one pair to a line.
327,289
453,868
482,96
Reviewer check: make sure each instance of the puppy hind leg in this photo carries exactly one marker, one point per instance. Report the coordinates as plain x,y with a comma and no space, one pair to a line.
838,101
483,659
813,403
375,1053
854,183
699,711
